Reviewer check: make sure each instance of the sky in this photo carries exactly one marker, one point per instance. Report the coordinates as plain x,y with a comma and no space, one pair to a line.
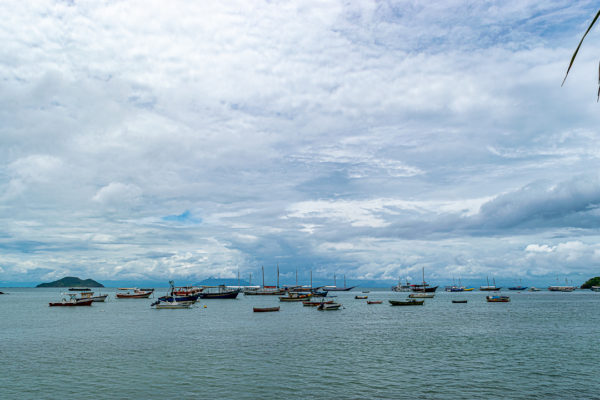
152,140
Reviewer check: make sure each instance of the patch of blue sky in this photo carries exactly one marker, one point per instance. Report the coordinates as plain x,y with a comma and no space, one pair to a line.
185,217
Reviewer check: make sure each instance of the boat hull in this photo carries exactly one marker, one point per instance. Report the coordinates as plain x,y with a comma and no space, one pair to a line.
375,302
133,296
329,307
497,299
226,295
72,304
265,309
407,302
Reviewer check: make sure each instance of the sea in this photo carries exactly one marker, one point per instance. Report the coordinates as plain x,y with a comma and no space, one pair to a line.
541,345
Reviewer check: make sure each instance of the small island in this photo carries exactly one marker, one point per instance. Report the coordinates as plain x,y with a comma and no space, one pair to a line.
71,281
591,282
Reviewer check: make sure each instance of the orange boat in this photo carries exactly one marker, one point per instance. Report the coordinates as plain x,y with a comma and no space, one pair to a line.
374,301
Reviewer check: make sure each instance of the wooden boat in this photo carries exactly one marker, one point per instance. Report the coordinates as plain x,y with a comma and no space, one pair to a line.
310,303
497,299
409,302
159,305
180,294
374,301
468,289
335,288
218,292
361,297
423,287
133,293
291,297
459,301
329,306
265,309
421,295
488,287
96,299
561,288
71,302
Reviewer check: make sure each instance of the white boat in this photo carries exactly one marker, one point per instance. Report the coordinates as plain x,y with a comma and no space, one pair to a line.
96,299
172,305
534,289
421,295
595,288
328,306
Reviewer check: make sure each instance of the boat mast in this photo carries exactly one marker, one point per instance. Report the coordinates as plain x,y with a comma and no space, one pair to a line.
334,282
250,279
263,275
423,279
277,275
296,276
311,278
345,281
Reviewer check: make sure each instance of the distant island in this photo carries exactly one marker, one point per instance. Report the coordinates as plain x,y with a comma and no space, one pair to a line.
591,282
71,281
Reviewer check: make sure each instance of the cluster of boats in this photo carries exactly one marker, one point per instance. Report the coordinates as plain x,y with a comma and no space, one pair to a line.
79,297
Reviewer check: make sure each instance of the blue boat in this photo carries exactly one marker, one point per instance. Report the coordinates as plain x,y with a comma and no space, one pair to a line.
518,287
170,299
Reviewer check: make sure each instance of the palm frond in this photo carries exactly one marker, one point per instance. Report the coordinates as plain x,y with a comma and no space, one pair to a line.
579,45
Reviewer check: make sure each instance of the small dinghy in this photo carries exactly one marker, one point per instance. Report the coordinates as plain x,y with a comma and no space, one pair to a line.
409,302
374,301
265,309
329,306
459,301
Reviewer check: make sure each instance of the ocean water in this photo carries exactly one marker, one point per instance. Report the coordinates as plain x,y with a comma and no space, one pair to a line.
540,345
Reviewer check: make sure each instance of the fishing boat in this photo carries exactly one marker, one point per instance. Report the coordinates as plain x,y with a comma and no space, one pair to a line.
400,287
329,306
423,287
468,289
265,309
100,298
315,303
133,293
488,287
266,290
518,287
335,288
291,297
459,301
408,302
497,299
534,289
421,295
171,305
361,297
71,301
374,301
218,292
180,294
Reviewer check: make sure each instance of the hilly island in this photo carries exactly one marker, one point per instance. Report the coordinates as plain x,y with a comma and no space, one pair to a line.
70,281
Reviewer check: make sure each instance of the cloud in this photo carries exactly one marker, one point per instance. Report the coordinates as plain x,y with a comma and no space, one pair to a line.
365,137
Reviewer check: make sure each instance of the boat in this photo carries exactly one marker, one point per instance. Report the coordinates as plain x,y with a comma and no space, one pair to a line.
180,294
218,292
335,288
459,301
96,299
423,287
488,287
71,301
534,289
518,287
497,299
400,287
561,288
171,305
468,289
366,291
291,297
421,295
374,301
361,297
133,293
265,309
408,302
595,288
266,290
328,306
315,303
454,289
